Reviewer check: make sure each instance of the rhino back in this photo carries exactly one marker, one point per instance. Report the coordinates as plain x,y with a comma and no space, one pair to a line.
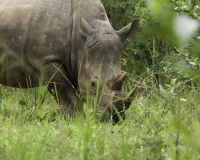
39,30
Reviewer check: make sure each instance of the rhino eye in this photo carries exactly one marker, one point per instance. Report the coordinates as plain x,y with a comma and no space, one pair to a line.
93,40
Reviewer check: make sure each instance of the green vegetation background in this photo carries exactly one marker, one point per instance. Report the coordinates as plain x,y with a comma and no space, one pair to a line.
163,120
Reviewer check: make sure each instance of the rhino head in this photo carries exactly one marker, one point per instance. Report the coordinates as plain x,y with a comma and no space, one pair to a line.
100,74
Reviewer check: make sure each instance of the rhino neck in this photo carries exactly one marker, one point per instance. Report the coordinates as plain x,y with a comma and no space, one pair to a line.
94,13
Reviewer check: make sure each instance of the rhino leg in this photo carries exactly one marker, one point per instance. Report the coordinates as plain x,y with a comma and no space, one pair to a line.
16,71
14,76
60,87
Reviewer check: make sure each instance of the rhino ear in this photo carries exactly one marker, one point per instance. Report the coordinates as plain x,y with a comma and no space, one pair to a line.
129,30
85,28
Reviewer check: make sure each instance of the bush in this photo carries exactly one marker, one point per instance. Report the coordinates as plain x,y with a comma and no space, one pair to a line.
156,49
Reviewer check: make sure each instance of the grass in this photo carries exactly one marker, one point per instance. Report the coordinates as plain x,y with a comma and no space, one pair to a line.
154,129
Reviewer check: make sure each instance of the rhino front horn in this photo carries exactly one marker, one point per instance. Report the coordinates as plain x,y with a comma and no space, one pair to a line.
117,82
122,104
127,98
132,93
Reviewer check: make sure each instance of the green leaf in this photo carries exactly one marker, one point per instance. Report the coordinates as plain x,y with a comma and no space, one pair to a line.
173,81
40,113
166,97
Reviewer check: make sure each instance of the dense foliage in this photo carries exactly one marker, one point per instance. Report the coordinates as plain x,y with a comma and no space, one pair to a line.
156,49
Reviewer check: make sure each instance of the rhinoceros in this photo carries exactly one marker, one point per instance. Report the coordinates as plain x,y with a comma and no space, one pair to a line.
70,46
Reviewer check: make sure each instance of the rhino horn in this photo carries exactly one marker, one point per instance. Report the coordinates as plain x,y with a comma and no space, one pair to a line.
129,97
117,82
85,28
132,93
122,103
125,99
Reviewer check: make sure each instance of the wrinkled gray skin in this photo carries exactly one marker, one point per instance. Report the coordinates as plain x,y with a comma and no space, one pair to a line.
66,44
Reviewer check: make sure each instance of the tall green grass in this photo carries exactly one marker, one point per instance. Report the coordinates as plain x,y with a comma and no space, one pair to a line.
154,129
